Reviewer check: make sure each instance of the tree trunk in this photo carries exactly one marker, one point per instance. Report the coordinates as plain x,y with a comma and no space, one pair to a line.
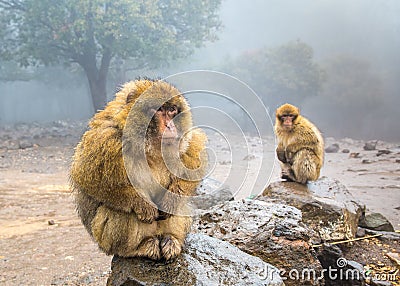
97,78
98,91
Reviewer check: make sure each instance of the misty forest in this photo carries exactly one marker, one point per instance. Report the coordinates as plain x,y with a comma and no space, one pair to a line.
338,61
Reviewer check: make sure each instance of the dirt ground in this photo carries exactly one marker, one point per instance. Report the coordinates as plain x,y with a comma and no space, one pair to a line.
42,241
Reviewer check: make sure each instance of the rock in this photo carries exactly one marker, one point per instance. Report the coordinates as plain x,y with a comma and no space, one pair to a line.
375,221
345,151
205,261
383,152
371,145
334,148
384,235
210,193
360,232
395,257
375,282
272,232
25,143
338,270
326,205
354,155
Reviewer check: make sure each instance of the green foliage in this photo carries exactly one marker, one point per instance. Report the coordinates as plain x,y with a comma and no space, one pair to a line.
152,32
91,33
285,73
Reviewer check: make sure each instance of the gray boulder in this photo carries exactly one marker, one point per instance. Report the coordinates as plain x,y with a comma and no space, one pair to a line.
326,205
272,232
376,221
205,261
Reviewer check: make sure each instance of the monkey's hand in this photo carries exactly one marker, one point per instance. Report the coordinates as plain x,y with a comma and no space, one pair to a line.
146,211
169,205
289,157
281,156
172,201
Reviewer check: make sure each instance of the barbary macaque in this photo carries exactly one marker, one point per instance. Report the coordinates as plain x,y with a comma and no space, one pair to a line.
133,169
300,145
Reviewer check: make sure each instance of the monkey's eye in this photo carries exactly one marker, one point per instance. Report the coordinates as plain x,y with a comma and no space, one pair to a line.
172,108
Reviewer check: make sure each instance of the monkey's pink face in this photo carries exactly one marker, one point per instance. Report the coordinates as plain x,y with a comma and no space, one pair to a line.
167,131
287,120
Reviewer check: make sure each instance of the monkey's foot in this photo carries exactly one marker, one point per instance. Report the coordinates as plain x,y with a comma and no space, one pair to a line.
286,177
170,247
287,174
150,248
146,212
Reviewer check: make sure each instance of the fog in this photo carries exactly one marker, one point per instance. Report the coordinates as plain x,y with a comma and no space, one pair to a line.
367,31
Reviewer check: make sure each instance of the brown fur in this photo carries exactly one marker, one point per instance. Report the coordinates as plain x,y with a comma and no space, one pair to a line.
300,148
122,219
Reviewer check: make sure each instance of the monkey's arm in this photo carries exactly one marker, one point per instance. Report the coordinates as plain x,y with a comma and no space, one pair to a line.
280,152
98,170
306,139
195,162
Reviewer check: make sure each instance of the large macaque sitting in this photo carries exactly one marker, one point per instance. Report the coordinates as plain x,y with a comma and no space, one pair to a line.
133,169
300,145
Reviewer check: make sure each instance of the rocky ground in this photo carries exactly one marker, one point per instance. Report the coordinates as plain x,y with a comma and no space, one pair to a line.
42,241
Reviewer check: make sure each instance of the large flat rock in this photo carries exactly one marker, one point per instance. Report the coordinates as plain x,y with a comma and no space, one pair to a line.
327,206
205,261
273,232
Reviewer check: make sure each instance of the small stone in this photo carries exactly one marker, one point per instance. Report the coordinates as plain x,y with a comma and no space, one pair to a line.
334,148
376,221
346,151
23,144
51,222
360,232
371,145
375,282
354,155
383,152
366,161
394,256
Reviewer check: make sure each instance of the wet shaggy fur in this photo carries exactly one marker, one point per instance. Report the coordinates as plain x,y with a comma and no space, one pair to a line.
300,149
122,219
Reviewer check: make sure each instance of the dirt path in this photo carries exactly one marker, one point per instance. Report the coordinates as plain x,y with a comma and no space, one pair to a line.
42,240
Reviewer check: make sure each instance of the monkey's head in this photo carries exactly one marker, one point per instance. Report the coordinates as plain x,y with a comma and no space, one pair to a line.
287,116
161,116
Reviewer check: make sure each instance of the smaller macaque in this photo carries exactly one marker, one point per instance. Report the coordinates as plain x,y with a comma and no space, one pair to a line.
300,145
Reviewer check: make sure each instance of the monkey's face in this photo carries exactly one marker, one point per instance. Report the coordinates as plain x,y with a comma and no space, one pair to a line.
169,124
286,116
165,129
159,119
287,120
